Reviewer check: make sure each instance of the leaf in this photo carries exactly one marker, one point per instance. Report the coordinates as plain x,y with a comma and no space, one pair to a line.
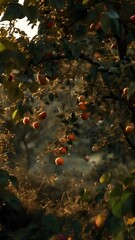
12,200
105,178
4,178
110,20
130,221
13,11
31,13
131,90
25,233
94,72
105,21
50,223
117,191
76,226
114,225
2,47
14,181
14,114
116,206
58,4
85,2
75,50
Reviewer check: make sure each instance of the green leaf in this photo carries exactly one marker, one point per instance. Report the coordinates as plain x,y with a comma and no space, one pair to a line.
13,11
76,226
105,21
58,4
14,181
117,191
85,2
25,233
114,225
14,114
75,50
4,178
131,90
31,13
112,14
12,200
50,223
94,72
116,206
2,47
105,178
110,20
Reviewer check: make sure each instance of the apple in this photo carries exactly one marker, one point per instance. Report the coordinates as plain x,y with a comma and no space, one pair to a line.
132,19
129,128
71,137
41,78
83,105
100,220
114,46
63,150
95,148
42,115
26,120
50,24
81,98
84,116
125,91
35,125
11,77
59,161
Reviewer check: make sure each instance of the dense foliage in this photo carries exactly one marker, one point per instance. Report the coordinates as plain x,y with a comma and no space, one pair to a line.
72,81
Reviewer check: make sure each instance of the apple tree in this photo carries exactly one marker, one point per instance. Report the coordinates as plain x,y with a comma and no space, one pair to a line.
81,65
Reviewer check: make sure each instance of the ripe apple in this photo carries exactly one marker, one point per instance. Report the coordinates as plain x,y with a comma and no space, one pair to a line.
35,125
11,77
41,78
95,148
59,161
125,91
129,128
50,24
100,220
71,137
114,46
132,19
95,26
84,116
26,120
42,115
83,105
81,98
63,150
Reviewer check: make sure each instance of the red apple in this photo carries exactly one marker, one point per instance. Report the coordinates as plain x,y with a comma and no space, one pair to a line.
42,115
26,120
35,125
132,19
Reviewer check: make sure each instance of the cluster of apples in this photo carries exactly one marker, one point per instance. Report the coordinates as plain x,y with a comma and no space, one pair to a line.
62,150
83,106
35,124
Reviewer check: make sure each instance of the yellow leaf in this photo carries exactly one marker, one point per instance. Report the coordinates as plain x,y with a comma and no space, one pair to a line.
130,221
85,1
